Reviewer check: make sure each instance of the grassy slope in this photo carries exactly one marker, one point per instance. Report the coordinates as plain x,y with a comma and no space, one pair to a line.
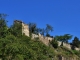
24,47
43,52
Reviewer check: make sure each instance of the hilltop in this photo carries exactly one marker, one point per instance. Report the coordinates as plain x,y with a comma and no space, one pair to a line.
19,42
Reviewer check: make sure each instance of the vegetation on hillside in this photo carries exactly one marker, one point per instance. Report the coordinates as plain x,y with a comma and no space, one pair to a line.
15,46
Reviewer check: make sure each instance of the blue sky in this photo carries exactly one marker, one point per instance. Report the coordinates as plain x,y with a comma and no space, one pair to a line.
63,15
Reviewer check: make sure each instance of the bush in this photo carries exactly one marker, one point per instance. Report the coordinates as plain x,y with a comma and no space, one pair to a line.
54,43
76,52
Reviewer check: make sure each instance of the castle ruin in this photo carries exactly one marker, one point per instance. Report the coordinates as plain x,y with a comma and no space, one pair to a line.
45,40
25,27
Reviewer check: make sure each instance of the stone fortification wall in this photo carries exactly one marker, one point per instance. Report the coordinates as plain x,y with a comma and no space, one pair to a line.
25,29
35,36
45,40
59,43
64,44
67,46
78,49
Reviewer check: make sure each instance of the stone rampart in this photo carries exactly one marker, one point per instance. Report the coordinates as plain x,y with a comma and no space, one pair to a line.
42,38
45,40
25,29
67,45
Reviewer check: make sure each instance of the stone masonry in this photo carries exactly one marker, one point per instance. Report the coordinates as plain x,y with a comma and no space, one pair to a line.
25,27
45,40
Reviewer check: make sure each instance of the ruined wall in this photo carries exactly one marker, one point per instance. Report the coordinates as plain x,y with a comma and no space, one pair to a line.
64,44
45,40
42,38
25,29
78,49
67,46
35,36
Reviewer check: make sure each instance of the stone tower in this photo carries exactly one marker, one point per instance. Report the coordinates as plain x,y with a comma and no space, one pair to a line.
25,27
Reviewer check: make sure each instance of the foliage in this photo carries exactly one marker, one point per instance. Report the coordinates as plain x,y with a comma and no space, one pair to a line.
32,28
3,26
76,42
41,31
64,38
48,28
54,43
15,46
16,29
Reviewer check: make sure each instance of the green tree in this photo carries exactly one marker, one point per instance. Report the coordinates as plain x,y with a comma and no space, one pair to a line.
67,37
48,29
16,29
76,42
43,31
3,26
64,38
3,16
54,43
32,28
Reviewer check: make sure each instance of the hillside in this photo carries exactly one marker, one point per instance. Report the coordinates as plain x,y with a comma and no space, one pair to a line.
23,49
26,49
15,45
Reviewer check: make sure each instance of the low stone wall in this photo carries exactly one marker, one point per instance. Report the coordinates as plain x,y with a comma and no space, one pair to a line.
25,29
59,43
34,36
78,49
68,46
46,41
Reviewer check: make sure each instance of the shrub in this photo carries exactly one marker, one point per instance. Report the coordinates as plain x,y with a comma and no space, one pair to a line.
54,43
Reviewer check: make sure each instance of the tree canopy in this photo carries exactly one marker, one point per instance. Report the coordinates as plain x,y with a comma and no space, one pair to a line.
76,42
63,38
